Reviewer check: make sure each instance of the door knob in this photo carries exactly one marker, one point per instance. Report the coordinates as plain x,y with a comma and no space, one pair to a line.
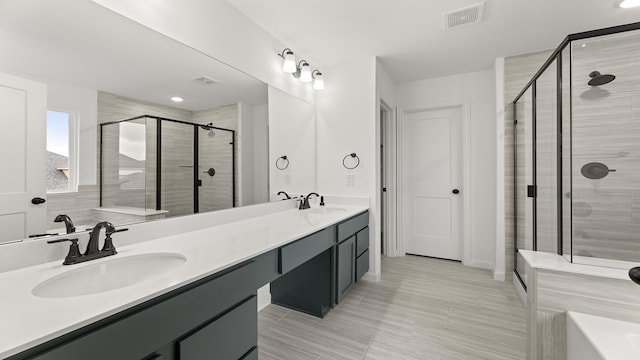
456,191
38,201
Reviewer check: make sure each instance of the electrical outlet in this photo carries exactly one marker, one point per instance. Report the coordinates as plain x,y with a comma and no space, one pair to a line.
287,179
351,180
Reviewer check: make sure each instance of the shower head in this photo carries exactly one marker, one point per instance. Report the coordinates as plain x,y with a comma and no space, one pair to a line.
209,127
598,79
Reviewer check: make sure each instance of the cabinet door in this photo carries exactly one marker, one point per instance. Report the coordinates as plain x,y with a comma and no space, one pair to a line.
346,267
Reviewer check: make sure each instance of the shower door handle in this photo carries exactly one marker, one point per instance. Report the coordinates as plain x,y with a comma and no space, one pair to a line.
531,191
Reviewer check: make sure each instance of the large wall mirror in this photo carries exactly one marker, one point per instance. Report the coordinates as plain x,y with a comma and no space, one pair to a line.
118,147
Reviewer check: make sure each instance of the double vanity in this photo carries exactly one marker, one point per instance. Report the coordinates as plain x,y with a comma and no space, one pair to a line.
190,295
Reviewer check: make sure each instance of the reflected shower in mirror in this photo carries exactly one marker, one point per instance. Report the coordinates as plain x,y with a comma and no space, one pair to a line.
102,68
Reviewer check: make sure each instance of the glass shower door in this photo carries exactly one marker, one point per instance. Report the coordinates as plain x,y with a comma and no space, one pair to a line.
524,178
215,169
176,171
546,160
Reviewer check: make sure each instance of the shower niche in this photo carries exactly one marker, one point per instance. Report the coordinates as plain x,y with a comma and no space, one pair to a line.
577,152
154,167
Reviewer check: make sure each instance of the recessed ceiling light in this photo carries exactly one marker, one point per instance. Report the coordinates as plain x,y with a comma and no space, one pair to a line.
177,99
583,45
626,4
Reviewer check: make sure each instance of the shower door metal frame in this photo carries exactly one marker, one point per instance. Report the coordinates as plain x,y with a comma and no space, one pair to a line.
556,55
196,153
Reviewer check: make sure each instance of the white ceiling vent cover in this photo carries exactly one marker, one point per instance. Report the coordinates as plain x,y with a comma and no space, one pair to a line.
464,16
205,80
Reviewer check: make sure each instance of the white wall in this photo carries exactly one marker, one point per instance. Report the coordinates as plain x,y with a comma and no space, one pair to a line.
261,153
346,123
217,29
245,152
479,89
291,134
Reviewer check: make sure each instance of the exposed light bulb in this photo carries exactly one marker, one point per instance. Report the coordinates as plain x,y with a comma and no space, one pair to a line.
626,4
318,81
289,65
305,73
177,99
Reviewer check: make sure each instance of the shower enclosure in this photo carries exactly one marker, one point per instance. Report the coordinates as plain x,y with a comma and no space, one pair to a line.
165,166
577,152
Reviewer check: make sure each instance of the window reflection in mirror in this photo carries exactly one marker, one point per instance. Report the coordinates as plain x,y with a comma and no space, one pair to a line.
61,151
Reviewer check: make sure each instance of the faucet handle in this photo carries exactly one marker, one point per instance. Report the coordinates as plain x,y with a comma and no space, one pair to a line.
74,250
118,230
108,242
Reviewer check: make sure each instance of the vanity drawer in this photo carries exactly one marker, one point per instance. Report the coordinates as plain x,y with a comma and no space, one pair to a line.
362,265
141,330
229,337
349,227
362,241
297,253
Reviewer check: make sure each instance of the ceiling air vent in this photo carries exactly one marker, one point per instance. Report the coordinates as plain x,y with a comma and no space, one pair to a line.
464,16
205,80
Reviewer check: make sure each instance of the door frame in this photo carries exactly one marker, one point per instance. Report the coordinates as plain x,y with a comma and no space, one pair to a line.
465,235
389,217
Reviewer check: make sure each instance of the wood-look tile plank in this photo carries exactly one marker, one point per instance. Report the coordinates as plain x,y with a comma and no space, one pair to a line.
420,309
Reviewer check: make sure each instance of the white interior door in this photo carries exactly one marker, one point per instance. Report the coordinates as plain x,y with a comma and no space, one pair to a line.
431,173
23,107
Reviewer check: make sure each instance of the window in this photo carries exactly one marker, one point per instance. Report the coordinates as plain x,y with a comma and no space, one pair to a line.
61,152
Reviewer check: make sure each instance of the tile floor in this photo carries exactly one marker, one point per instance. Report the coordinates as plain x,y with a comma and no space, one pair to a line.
422,308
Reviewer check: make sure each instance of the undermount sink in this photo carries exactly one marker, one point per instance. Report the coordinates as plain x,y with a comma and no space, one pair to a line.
327,210
597,338
108,275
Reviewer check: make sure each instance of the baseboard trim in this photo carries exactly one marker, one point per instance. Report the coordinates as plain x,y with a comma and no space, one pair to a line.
499,276
522,293
480,264
264,296
373,277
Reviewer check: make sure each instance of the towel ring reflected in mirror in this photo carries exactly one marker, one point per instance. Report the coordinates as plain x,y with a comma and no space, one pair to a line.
355,158
282,162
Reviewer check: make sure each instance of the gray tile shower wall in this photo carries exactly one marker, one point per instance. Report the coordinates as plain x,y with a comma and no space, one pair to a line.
606,216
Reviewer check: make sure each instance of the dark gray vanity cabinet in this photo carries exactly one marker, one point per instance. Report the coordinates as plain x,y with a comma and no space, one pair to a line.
362,252
346,263
352,253
213,318
306,269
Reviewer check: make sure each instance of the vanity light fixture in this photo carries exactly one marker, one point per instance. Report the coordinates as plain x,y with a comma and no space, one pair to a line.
318,81
177,99
302,70
289,64
626,4
305,72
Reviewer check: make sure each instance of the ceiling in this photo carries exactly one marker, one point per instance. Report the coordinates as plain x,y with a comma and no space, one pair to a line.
81,43
408,35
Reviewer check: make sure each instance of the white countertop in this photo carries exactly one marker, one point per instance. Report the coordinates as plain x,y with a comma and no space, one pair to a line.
550,261
27,320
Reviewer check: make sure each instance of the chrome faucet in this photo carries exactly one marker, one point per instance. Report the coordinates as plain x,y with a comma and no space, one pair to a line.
67,222
92,252
305,203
